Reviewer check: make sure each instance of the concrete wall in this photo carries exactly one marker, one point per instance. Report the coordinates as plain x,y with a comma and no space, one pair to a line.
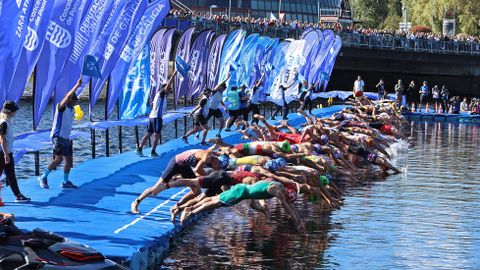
460,73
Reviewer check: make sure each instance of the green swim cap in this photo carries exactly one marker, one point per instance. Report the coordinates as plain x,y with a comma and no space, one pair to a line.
285,146
313,198
324,180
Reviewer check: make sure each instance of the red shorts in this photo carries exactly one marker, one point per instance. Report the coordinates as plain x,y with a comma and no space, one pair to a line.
291,138
358,93
386,129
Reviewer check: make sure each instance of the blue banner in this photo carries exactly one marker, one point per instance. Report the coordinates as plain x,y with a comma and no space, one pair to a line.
312,43
151,19
266,63
183,51
134,97
181,66
90,27
333,53
246,59
90,67
63,24
160,48
14,17
213,64
32,46
328,38
230,53
197,75
278,62
115,43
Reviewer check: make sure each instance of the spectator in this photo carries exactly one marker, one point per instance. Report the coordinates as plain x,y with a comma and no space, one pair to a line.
411,95
464,105
381,89
424,94
358,87
445,96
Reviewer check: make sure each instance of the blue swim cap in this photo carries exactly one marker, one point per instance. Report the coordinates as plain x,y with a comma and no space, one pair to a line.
224,161
281,162
317,148
271,165
337,154
324,139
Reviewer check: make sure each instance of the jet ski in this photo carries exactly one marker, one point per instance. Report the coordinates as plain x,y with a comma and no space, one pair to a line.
39,249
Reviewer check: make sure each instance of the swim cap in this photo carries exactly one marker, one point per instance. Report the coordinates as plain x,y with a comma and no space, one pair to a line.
224,161
291,195
337,154
324,180
281,162
338,116
369,141
271,165
313,198
317,148
324,139
285,146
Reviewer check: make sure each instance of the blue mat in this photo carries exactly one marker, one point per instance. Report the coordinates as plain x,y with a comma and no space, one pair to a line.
461,117
97,213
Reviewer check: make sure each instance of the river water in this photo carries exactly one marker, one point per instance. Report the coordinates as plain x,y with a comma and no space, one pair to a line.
424,218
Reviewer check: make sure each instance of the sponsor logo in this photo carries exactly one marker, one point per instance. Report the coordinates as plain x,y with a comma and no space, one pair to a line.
58,35
19,3
31,39
108,51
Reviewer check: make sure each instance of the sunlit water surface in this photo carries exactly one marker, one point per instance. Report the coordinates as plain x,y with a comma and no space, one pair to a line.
425,218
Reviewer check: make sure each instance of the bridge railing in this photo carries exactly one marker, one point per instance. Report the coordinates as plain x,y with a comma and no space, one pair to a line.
407,44
386,42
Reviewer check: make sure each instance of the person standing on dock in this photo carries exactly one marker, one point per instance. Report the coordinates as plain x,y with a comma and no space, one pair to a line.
159,108
216,99
358,87
6,158
62,145
399,89
445,96
199,115
424,94
411,94
380,90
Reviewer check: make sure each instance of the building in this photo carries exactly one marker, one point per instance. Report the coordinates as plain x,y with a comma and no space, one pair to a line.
302,10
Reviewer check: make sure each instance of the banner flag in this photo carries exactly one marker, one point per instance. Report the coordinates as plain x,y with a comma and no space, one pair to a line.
13,27
183,51
90,26
197,75
151,19
230,53
157,66
333,53
274,80
90,67
246,60
181,66
213,64
311,44
133,99
109,53
32,45
293,62
328,38
265,63
64,22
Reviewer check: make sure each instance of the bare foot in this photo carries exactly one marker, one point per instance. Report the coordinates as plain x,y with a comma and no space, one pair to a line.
185,214
260,117
173,213
134,207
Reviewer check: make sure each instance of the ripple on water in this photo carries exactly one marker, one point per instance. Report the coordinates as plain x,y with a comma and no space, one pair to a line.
427,218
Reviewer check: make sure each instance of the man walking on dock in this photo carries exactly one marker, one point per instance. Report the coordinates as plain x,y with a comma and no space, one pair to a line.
61,130
159,108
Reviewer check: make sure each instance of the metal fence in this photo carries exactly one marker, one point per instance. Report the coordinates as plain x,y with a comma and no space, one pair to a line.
385,42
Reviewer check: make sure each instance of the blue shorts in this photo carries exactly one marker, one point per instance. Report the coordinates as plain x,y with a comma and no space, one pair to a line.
155,125
62,147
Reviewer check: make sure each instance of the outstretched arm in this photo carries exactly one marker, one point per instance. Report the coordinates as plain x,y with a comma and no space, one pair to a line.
170,83
70,94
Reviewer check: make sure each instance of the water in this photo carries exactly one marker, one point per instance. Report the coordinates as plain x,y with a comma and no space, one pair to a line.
424,218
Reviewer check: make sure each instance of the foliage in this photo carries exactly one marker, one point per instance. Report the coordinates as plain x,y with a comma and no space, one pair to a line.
387,14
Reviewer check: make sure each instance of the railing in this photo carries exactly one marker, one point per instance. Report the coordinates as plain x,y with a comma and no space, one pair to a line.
385,42
407,44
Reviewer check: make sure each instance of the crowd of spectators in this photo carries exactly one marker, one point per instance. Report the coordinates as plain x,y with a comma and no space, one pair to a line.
197,16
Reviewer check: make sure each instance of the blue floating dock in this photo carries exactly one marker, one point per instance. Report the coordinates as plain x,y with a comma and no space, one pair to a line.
97,213
443,117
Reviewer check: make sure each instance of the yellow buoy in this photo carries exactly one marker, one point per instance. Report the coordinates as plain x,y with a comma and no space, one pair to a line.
78,112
